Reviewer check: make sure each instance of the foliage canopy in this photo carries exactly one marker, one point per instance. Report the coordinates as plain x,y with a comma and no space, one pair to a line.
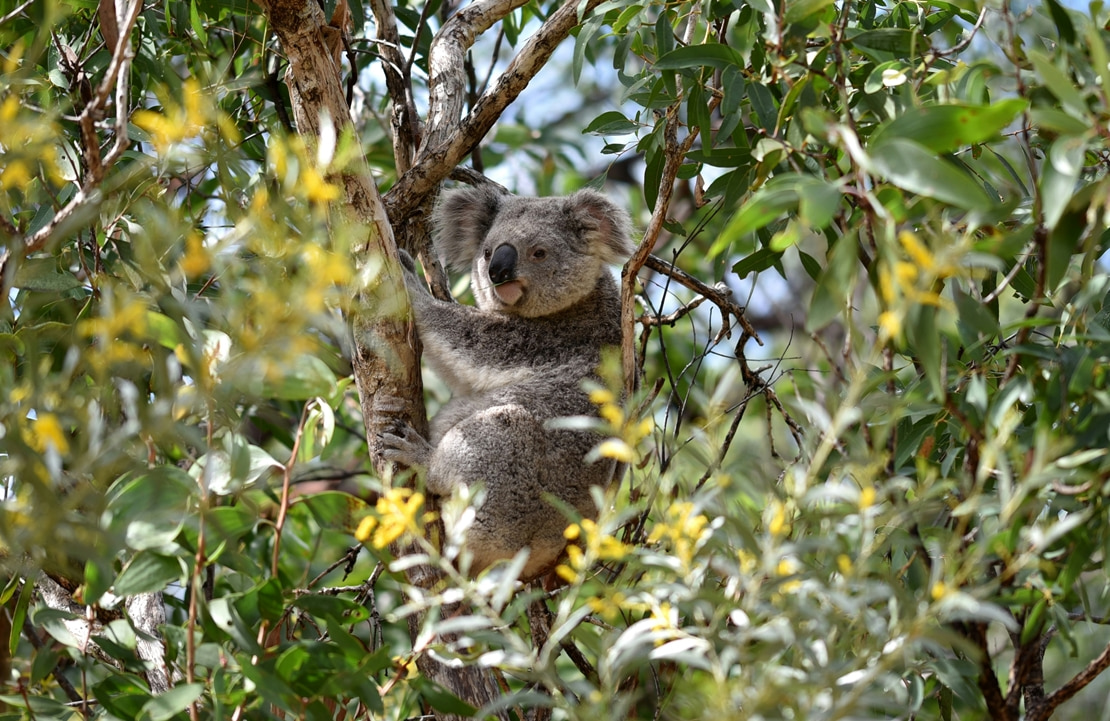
876,487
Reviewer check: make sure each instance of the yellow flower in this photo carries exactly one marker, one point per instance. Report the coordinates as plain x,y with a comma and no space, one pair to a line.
778,525
939,590
195,262
317,189
890,325
844,564
47,432
396,514
9,109
616,449
566,573
866,497
916,250
613,414
601,396
15,175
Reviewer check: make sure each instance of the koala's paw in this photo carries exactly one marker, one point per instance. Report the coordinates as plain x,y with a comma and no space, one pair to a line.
405,446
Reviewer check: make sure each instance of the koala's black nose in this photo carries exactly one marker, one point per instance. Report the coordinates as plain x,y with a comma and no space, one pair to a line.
502,266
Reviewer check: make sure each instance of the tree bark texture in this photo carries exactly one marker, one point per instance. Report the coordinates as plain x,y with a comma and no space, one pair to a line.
386,359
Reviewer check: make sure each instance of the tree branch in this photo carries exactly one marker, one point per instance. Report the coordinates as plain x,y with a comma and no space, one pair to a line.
115,79
447,65
435,162
1047,707
398,82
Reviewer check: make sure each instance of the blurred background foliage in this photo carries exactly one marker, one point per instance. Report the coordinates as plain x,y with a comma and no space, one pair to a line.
881,495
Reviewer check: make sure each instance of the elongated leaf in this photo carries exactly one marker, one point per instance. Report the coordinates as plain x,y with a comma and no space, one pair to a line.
890,40
947,128
150,510
911,167
1059,175
177,699
712,55
766,205
1059,84
761,259
147,572
611,123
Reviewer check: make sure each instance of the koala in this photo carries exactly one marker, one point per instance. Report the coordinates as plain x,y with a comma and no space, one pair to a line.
547,305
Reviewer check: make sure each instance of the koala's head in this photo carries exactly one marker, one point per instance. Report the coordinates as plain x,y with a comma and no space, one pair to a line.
530,256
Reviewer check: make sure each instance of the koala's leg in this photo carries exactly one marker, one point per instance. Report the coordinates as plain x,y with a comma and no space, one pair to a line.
504,449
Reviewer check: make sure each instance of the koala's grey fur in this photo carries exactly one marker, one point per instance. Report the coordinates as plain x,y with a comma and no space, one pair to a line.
518,360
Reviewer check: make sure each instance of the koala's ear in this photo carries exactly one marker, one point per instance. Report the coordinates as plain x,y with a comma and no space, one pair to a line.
606,224
461,220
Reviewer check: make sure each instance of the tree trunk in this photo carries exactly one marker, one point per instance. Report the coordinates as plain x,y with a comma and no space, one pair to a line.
386,360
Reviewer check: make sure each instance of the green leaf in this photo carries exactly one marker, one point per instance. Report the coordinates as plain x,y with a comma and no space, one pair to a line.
226,617
763,102
760,260
818,203
797,10
26,591
148,572
441,699
890,40
764,206
1059,176
912,167
1063,23
150,510
947,128
713,55
611,123
226,473
165,706
305,376
1058,83
196,23
335,509
42,274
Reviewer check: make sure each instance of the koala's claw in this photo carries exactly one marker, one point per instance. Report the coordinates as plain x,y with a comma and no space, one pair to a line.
405,446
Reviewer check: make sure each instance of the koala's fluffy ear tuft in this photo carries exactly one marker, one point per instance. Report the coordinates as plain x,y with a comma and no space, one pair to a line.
607,224
461,220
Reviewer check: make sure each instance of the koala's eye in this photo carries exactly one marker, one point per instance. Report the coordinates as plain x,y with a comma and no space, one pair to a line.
487,253
539,254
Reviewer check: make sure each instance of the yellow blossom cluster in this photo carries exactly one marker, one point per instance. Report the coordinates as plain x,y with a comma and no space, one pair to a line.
627,433
912,280
396,513
191,118
28,146
118,332
289,160
592,544
684,529
47,432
